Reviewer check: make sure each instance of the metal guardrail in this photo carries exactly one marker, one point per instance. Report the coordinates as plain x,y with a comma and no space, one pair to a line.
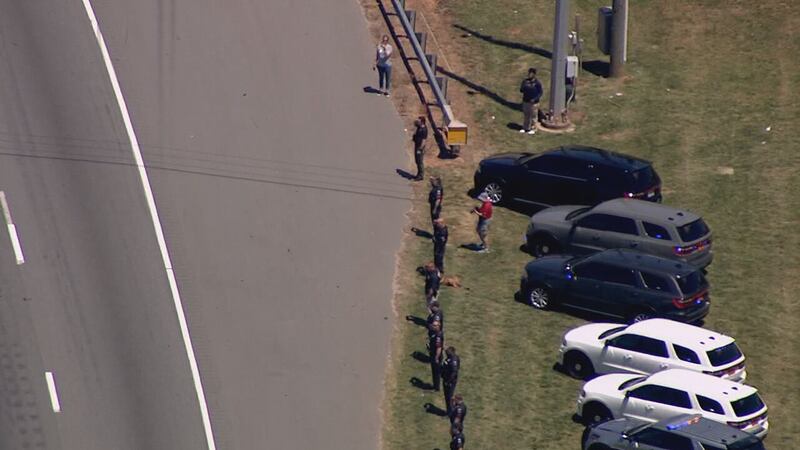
455,130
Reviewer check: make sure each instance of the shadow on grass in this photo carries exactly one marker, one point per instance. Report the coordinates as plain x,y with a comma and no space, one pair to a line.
430,408
421,357
597,67
479,89
422,233
574,312
419,384
510,44
471,246
417,321
406,175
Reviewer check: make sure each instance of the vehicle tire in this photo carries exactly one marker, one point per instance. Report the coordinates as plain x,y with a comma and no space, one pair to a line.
543,245
578,365
638,316
599,447
495,190
540,297
594,413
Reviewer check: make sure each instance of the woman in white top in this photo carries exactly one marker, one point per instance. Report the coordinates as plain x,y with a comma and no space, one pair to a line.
383,63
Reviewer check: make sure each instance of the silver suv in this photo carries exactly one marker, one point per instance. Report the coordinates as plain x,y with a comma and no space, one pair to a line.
683,432
621,223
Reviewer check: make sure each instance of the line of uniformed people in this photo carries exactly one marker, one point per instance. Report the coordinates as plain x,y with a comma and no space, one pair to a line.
445,363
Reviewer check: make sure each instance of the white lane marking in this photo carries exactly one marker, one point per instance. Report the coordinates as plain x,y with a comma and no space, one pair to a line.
151,206
12,229
51,386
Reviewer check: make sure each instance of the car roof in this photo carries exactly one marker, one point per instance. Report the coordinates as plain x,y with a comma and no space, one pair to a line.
643,261
689,336
699,427
703,384
600,157
647,211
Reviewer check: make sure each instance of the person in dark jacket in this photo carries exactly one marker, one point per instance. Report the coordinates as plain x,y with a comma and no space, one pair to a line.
458,410
433,280
435,346
439,243
457,437
435,197
420,139
450,368
436,315
532,91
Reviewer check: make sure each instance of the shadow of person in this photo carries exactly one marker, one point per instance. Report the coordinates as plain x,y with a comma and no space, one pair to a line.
471,246
419,384
430,408
371,90
404,174
421,357
417,321
422,233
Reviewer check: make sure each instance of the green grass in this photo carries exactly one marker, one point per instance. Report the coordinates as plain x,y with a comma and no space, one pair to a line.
704,80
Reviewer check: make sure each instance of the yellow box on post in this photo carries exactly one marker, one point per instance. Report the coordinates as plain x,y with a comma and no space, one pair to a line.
456,133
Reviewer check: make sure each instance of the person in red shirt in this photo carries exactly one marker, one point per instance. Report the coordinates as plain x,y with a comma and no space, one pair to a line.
484,213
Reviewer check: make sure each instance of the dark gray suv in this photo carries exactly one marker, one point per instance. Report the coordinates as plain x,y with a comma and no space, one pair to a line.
621,283
683,432
621,223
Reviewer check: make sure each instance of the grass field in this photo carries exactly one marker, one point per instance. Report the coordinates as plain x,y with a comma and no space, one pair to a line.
705,79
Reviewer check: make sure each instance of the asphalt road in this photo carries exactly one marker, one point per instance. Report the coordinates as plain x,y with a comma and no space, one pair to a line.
274,177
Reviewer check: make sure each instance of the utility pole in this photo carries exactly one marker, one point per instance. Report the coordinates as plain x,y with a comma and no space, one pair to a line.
558,117
619,38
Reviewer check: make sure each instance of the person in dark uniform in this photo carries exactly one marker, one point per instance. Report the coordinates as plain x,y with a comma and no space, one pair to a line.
439,243
450,367
435,346
433,280
457,437
435,197
458,410
420,138
436,315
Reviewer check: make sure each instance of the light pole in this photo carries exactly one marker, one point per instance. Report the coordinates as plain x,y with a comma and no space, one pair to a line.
557,115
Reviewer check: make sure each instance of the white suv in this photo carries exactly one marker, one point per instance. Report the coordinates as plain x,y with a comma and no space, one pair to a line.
647,347
672,392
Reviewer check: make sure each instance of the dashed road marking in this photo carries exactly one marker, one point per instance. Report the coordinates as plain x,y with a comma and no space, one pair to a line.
12,229
51,386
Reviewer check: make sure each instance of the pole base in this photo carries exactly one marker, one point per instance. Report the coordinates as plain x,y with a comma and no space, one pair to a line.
556,124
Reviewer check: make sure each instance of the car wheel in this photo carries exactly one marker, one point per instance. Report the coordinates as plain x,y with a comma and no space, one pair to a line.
578,365
494,189
595,413
543,246
540,297
640,316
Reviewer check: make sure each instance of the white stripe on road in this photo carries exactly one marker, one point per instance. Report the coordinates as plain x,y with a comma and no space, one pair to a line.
151,205
51,386
12,230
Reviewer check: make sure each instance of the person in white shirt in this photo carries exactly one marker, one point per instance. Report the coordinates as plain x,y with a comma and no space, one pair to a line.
383,62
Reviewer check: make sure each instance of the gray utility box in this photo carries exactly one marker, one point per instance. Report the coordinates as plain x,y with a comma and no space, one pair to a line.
604,29
572,66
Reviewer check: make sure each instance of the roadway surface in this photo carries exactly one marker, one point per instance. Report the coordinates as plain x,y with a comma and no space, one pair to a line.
274,178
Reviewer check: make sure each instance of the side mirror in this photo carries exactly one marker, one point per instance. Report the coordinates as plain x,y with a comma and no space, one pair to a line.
606,343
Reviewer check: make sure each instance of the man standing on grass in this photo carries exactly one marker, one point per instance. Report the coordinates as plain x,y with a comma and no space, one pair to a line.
531,90
450,368
458,410
439,243
436,315
484,213
432,281
435,197
456,437
435,345
420,138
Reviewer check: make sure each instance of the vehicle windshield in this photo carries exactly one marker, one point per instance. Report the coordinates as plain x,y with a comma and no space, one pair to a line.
724,355
748,443
642,179
748,405
693,231
692,282
631,382
577,212
608,333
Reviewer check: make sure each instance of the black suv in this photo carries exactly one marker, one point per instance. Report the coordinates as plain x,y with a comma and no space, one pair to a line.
570,175
621,283
683,432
